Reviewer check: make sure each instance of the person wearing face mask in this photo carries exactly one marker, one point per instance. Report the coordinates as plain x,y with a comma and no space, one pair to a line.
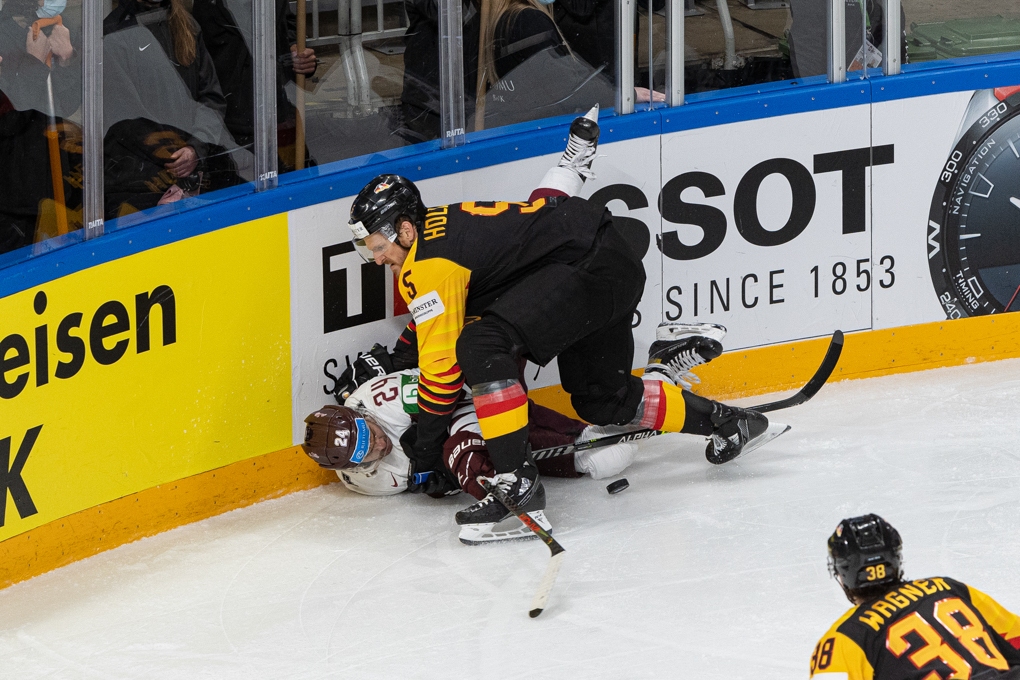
163,109
40,85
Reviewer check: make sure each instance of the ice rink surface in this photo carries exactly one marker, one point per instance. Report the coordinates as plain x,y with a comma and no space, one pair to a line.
695,571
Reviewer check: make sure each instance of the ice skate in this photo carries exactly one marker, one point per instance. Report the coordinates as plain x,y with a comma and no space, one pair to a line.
739,431
673,359
478,522
582,144
675,330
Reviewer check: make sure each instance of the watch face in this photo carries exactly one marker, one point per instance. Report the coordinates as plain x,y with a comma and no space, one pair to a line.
974,221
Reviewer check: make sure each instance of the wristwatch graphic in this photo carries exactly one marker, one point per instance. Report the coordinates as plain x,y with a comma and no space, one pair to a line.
973,229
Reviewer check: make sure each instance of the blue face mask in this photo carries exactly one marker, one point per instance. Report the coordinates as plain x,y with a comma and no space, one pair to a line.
546,2
51,8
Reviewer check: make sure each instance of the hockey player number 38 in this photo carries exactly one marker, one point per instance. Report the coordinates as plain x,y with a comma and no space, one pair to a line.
972,635
957,618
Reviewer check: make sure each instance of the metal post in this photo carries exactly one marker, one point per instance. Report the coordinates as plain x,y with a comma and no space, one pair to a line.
675,13
264,54
892,46
92,118
451,72
624,56
837,40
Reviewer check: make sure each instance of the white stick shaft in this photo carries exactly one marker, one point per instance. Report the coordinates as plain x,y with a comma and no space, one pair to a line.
545,587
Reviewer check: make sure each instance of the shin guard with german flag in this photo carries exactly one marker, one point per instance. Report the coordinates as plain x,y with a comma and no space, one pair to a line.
668,408
502,409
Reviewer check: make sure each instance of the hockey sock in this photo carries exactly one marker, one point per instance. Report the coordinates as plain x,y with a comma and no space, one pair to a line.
502,408
668,408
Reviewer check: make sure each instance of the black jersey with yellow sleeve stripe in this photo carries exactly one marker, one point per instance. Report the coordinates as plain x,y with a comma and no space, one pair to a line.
464,257
928,629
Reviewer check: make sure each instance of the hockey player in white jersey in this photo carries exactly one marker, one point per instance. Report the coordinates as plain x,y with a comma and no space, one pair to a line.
361,440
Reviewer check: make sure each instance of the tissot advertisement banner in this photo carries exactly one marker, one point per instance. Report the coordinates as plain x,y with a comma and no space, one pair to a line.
782,229
143,371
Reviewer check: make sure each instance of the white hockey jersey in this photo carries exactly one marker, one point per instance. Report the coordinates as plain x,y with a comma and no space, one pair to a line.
390,401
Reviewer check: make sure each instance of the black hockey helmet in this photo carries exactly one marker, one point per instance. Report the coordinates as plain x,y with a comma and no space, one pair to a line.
378,206
865,552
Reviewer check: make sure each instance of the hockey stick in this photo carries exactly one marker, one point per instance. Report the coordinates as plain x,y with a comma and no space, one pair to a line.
812,386
545,587
809,390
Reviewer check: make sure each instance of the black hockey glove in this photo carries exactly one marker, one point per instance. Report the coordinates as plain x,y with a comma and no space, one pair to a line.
367,366
426,472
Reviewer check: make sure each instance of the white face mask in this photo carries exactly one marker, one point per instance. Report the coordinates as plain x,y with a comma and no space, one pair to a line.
51,8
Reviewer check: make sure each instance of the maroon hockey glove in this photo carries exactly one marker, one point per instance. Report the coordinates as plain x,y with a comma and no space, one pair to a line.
466,457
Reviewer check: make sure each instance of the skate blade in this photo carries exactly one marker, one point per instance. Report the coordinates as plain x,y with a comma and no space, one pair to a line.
477,534
674,331
773,431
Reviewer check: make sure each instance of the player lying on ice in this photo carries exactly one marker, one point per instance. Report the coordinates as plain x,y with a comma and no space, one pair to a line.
490,283
380,403
926,629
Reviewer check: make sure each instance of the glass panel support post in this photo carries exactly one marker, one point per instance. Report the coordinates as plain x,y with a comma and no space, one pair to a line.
264,54
837,40
892,45
92,118
451,72
675,13
625,16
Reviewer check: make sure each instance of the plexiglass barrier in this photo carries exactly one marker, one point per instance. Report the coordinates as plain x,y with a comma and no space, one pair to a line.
187,102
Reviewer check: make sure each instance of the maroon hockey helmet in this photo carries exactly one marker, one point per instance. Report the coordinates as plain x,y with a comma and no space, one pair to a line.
337,437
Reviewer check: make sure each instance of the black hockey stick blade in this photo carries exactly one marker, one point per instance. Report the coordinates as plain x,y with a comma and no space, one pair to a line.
812,386
541,598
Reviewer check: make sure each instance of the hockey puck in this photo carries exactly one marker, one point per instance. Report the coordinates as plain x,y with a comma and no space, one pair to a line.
618,486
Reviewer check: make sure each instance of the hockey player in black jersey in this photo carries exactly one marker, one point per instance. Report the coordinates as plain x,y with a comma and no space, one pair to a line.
925,629
488,283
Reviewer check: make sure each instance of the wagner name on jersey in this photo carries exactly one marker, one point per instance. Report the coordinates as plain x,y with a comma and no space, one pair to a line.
928,629
391,401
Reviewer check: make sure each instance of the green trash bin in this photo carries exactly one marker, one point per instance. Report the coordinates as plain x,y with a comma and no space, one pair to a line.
962,38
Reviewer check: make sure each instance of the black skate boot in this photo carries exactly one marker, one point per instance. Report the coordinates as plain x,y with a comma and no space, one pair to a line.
523,486
674,359
582,144
738,431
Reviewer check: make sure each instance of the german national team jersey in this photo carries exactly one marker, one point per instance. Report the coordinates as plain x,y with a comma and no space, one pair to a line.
465,256
929,629
390,401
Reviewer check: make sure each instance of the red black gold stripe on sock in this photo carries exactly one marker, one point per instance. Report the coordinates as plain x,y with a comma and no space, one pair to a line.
663,407
502,411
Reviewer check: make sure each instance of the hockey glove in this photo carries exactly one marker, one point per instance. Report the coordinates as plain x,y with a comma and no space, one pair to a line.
367,366
435,483
426,473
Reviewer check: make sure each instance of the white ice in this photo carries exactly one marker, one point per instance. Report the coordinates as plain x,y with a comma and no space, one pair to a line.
696,571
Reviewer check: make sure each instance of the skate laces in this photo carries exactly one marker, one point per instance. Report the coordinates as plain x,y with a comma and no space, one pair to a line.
680,367
578,156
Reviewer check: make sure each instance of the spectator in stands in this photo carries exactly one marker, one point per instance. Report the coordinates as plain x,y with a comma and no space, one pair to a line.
163,109
588,26
37,200
808,36
227,33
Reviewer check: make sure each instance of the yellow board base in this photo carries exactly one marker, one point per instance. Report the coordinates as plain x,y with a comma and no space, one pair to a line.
867,354
155,510
738,374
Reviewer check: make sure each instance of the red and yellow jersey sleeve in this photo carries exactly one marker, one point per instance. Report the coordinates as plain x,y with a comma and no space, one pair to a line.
1005,622
436,292
837,657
